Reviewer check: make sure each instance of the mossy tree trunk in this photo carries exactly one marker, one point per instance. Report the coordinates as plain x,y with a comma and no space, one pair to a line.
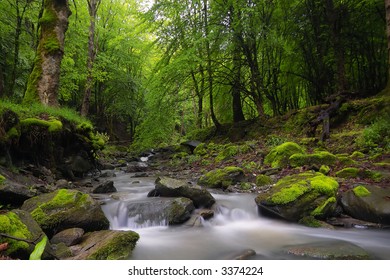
43,82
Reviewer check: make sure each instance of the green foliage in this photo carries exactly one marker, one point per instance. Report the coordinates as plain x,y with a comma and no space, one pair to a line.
39,249
2,179
263,180
377,135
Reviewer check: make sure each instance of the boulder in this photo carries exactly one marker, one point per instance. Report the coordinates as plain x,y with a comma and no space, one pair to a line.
297,196
160,211
168,187
328,250
318,158
222,178
368,203
279,156
69,236
136,167
105,245
105,187
65,209
14,194
19,224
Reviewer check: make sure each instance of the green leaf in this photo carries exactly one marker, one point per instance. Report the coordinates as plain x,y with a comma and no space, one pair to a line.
39,249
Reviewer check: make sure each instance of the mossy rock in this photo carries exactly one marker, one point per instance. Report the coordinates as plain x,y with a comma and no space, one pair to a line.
368,203
19,224
263,180
201,149
324,169
353,172
358,155
346,160
318,158
52,124
107,245
222,178
279,156
65,209
297,196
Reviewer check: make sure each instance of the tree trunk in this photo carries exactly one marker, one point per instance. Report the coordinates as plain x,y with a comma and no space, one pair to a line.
387,6
93,6
43,82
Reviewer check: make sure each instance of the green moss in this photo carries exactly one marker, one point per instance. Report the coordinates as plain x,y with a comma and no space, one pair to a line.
221,178
310,221
279,156
382,164
13,133
51,44
2,179
324,169
63,199
317,158
263,180
201,149
31,95
53,125
349,172
227,153
180,155
322,209
357,155
291,193
118,248
245,186
292,187
11,224
361,191
346,160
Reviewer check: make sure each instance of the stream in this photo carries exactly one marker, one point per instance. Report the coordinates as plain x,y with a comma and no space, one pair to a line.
235,227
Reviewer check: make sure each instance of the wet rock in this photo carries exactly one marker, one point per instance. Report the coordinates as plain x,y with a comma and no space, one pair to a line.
20,224
63,184
297,196
328,250
349,222
80,166
368,203
168,187
243,255
160,211
206,214
140,175
136,167
69,237
105,245
105,187
65,209
108,174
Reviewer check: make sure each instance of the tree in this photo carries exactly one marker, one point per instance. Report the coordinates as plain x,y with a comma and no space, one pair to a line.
387,7
43,82
93,6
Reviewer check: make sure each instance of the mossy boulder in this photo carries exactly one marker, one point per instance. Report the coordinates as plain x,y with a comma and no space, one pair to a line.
324,169
279,156
106,245
297,196
169,187
65,209
263,180
19,224
14,194
318,158
222,178
353,172
368,203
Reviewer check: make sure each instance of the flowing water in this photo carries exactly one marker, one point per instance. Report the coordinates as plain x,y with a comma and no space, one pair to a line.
235,227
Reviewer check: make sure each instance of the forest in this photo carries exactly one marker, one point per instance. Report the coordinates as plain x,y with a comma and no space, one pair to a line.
287,101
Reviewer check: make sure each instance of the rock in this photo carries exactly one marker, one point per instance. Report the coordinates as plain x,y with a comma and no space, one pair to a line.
15,194
368,203
105,187
279,156
20,224
80,166
191,144
297,196
243,255
69,237
160,211
318,158
63,184
136,167
108,174
105,245
222,178
263,180
328,250
348,222
353,172
65,209
206,214
168,187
